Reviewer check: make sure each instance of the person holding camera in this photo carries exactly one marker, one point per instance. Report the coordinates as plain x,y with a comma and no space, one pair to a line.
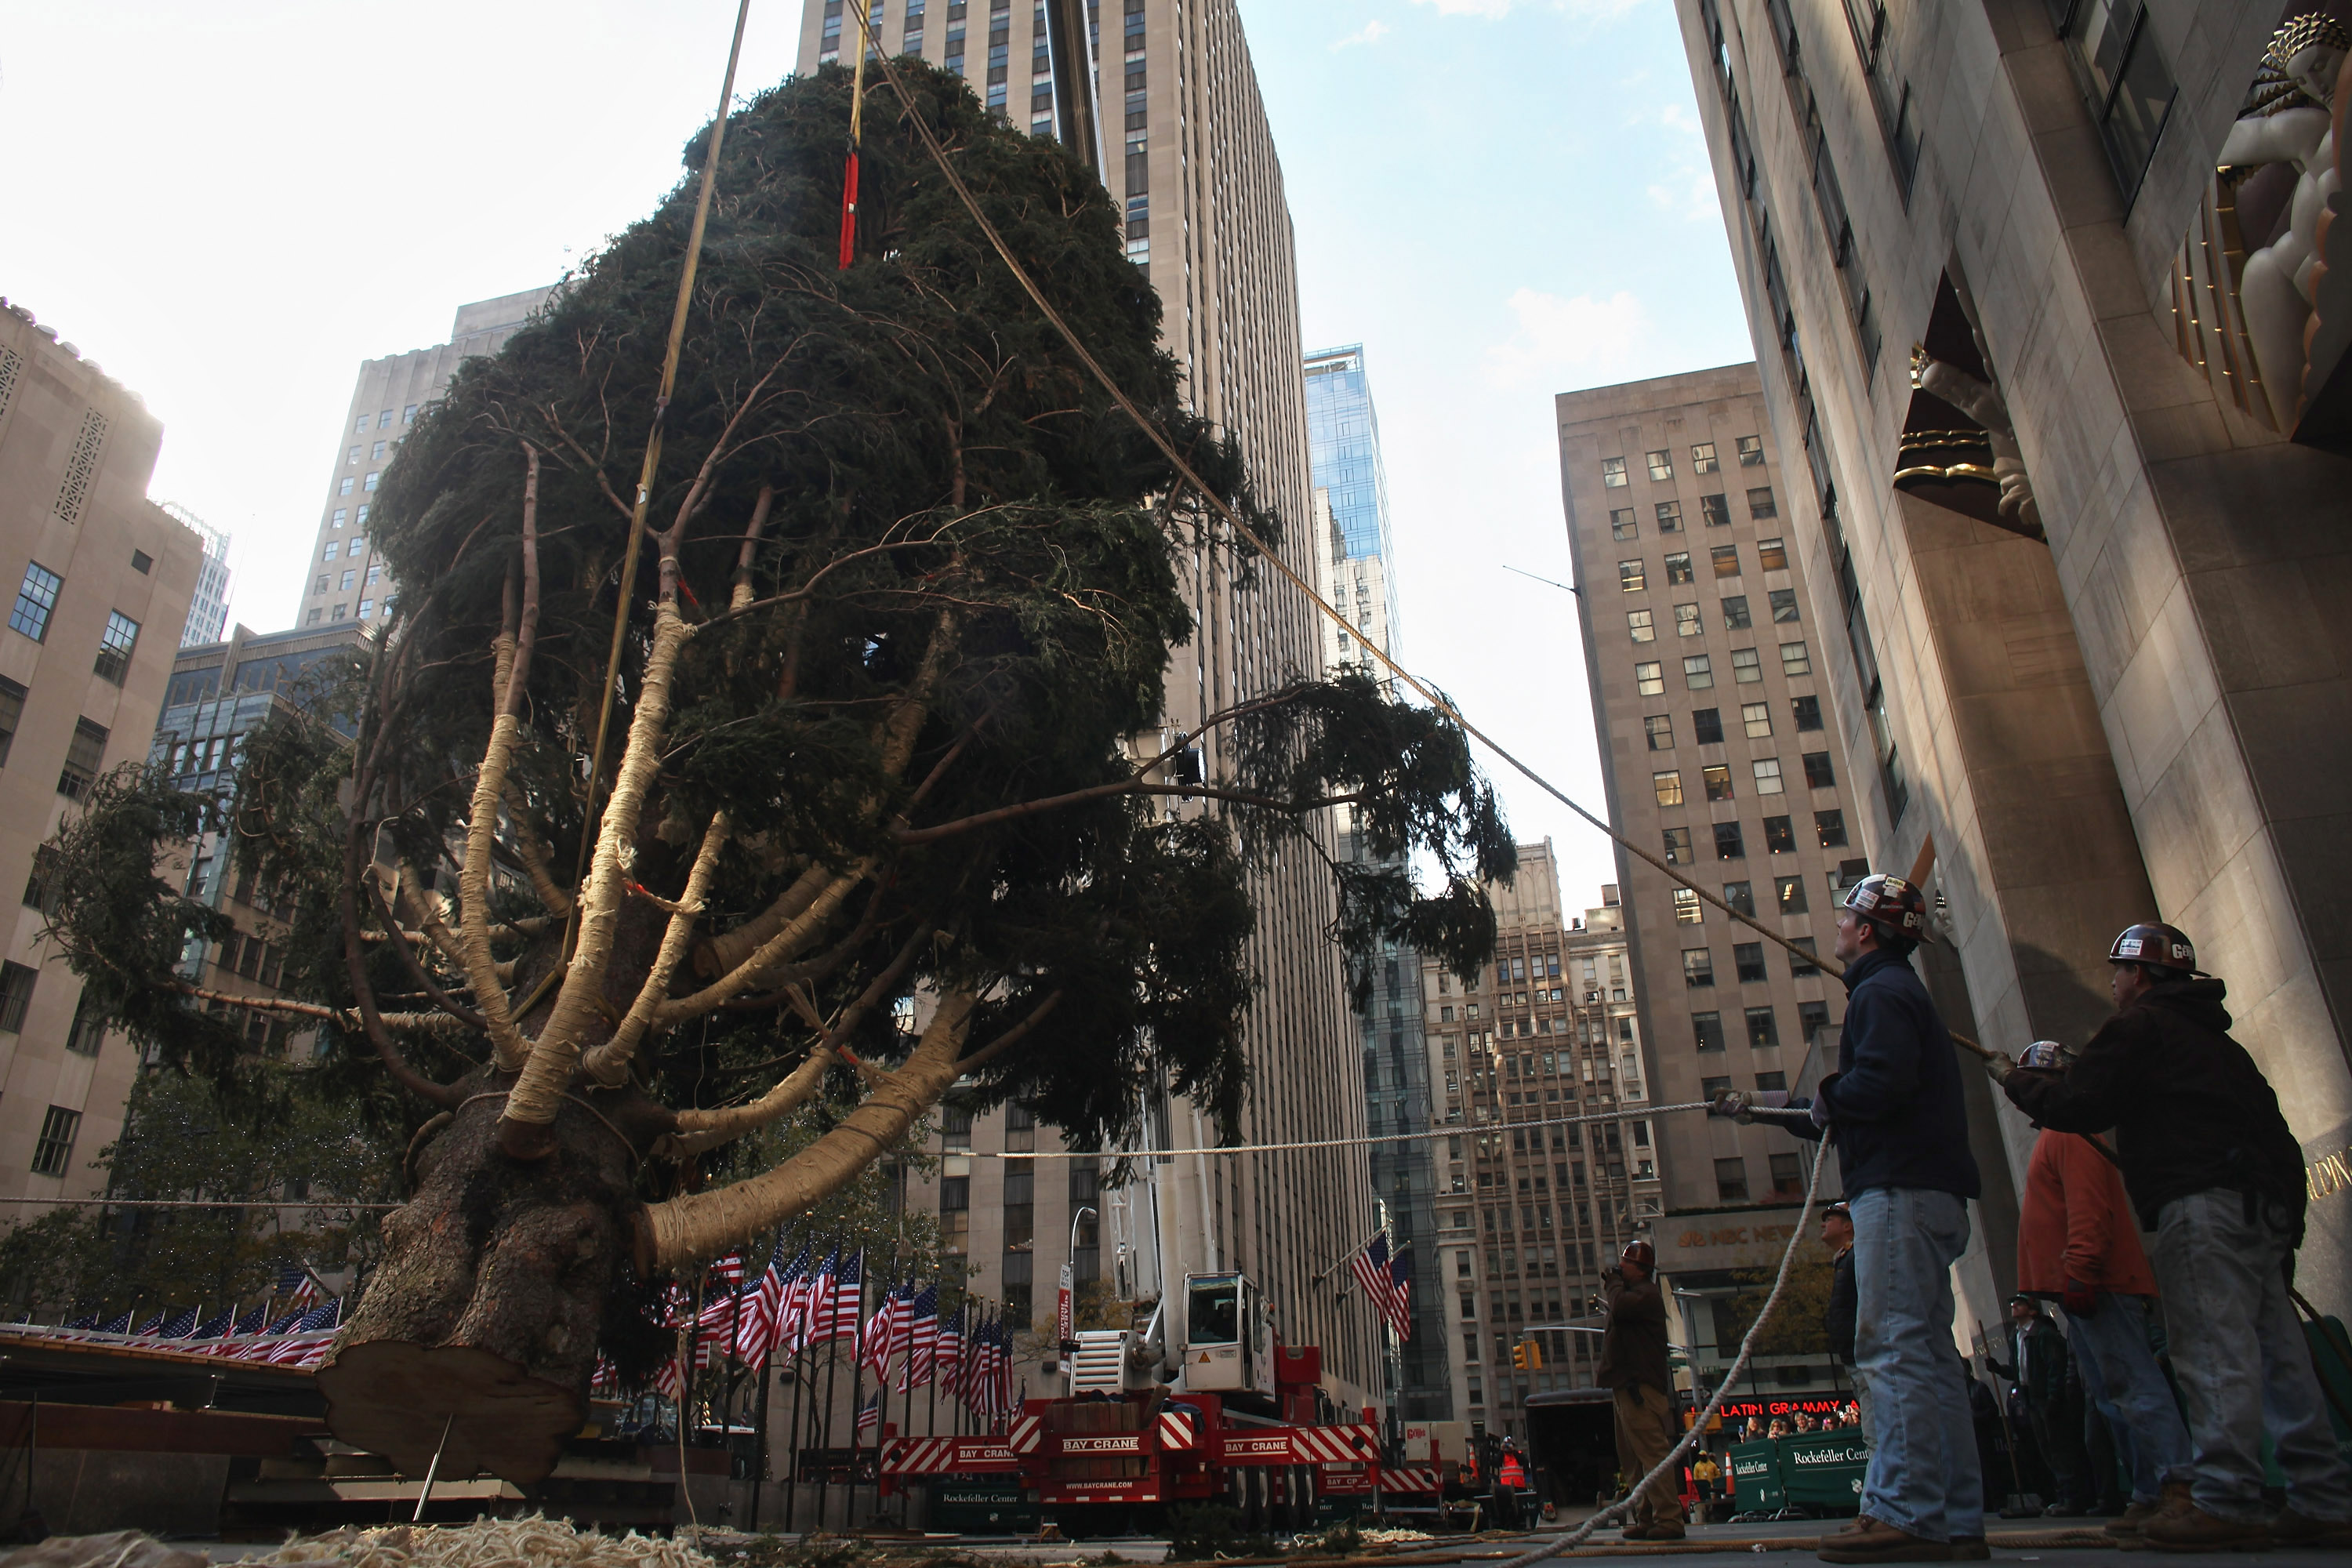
2212,1170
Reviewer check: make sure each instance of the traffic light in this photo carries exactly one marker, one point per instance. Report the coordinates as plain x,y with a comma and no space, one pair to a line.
1527,1356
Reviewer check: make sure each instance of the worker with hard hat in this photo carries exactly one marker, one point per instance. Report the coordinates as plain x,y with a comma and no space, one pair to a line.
1894,1111
2213,1172
1634,1367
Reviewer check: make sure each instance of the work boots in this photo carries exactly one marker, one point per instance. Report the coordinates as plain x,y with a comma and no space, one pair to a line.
2128,1527
2193,1530
1869,1539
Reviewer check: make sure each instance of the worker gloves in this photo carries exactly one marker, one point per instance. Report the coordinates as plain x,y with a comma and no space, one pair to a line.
1737,1106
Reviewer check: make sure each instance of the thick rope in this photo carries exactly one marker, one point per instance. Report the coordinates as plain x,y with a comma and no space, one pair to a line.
1568,1540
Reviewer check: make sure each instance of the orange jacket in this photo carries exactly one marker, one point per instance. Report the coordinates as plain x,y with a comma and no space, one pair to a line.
2076,1223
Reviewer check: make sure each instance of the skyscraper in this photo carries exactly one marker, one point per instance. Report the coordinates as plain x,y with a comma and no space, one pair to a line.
100,579
345,581
1192,135
209,612
1351,545
1721,758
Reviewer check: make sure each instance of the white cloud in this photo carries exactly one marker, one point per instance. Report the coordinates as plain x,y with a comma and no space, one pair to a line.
1371,32
1591,337
1490,9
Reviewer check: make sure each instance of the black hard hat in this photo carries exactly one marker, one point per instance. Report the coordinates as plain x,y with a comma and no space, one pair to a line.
1889,903
2154,943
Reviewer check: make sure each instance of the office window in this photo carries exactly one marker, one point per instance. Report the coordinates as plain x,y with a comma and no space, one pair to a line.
1741,897
1718,781
1812,1015
361,519
1829,827
312,618
343,486
1767,773
1631,577
114,645
1637,625
1713,1088
40,891
1686,621
1703,458
16,996
1621,525
1784,603
1848,873
1734,612
87,1031
1699,674
1650,679
1788,1176
1668,787
1660,728
370,486
349,578
1726,559
1800,967
1678,569
1670,517
1662,466
340,612
408,415
322,585
384,420
1748,958
1728,845
35,601
1707,726
352,456
360,426
1771,555
374,573
2121,71
1747,666
1698,968
334,548
1818,771
1678,846
1789,892
1707,1028
1756,719
55,1147
1763,1030
343,515
1761,504
85,754
1714,512
377,454
1779,838
1612,472
1794,659
367,609
1731,1180
1751,451
1688,910
1808,712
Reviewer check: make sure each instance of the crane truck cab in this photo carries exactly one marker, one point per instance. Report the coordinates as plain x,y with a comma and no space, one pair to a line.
1228,1343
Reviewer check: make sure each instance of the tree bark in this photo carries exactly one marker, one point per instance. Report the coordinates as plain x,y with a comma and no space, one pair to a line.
490,1299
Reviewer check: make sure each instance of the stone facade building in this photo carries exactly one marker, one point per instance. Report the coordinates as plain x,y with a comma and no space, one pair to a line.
2084,543
346,581
100,579
1192,136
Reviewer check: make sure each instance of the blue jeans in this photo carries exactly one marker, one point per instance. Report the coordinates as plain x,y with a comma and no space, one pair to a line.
2119,1372
1924,1476
2243,1361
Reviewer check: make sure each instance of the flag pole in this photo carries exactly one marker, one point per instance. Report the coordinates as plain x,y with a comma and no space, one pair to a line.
832,1373
857,1409
793,1460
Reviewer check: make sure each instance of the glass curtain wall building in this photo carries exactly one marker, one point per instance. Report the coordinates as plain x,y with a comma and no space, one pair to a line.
1352,547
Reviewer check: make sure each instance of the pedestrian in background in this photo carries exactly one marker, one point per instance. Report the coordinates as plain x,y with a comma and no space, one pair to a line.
1634,1367
2037,1366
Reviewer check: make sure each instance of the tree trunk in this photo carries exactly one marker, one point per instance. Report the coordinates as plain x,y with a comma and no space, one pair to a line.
484,1319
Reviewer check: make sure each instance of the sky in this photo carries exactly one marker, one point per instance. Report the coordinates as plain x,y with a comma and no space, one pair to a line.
229,206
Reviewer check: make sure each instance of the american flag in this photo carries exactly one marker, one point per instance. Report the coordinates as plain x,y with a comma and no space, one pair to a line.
1371,1267
835,1310
870,1412
181,1325
727,1273
922,1340
150,1326
947,1361
120,1325
215,1328
295,1283
253,1322
285,1325
881,1340
762,1321
1399,1308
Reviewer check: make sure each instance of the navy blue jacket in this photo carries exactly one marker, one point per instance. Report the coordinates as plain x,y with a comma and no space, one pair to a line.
1894,1107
